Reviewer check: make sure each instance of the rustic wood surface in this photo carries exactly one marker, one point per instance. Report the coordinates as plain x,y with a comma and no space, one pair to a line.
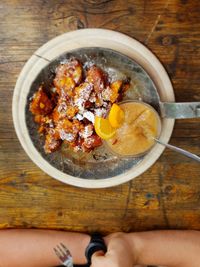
168,194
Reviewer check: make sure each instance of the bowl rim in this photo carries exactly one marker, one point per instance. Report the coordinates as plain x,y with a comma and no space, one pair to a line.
92,38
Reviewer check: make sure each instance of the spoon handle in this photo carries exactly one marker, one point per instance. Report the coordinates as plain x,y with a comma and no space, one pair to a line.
180,110
180,150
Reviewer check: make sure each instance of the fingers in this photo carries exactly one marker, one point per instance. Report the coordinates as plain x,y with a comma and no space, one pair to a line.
98,259
118,253
98,253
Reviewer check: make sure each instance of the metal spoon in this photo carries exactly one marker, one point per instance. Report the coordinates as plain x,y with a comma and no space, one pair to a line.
178,110
179,150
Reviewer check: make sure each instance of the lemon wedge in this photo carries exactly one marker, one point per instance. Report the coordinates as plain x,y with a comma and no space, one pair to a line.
103,128
116,116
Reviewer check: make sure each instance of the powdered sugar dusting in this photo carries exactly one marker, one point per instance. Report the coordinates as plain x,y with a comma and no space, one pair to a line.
79,102
83,95
106,94
89,115
100,112
92,98
88,64
62,107
87,131
66,136
79,117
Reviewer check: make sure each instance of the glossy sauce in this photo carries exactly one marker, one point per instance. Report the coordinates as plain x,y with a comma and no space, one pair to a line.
135,136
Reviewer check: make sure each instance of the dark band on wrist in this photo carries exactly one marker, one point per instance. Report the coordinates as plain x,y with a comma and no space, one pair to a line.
96,244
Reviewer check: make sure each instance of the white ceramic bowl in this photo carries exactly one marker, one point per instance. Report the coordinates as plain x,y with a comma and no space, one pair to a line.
83,39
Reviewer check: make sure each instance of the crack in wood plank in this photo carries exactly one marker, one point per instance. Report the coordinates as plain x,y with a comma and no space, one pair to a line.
111,20
91,13
98,3
127,200
162,202
156,23
152,29
14,61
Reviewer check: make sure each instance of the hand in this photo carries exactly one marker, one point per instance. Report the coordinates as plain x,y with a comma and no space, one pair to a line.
118,253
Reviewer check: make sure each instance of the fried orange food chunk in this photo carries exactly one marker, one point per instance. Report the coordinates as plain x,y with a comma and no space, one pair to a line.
71,111
52,143
82,94
68,130
67,113
41,104
96,77
115,88
64,109
91,142
60,110
64,125
68,75
124,87
45,122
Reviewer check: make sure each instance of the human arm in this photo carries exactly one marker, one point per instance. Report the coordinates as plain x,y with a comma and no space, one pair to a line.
34,248
166,248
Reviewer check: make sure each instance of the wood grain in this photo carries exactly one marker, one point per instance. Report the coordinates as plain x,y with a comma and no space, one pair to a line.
168,194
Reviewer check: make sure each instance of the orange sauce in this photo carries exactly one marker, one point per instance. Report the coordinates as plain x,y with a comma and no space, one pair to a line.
136,135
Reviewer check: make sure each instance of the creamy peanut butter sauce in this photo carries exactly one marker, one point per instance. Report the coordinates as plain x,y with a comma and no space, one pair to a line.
136,135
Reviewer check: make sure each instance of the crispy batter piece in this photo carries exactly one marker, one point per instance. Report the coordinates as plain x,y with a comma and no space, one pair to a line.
51,143
91,142
45,123
96,77
115,88
82,94
64,109
68,75
41,104
67,114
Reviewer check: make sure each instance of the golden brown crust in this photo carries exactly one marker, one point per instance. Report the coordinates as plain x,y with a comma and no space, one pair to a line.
41,104
68,114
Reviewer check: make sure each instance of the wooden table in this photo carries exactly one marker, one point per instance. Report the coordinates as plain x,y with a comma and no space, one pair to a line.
165,196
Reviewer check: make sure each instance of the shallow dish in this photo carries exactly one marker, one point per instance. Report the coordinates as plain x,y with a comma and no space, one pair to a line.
117,54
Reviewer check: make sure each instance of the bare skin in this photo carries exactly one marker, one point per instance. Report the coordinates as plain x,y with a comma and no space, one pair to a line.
34,248
166,248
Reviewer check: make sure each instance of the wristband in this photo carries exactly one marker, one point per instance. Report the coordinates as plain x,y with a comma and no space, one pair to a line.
96,244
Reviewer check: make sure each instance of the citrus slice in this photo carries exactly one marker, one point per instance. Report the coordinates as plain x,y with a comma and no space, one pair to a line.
103,128
116,116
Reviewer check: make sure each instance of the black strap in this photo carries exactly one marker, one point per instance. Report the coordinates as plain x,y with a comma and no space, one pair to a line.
96,244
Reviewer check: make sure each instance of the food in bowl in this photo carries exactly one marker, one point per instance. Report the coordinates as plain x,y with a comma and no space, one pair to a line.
65,112
135,136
